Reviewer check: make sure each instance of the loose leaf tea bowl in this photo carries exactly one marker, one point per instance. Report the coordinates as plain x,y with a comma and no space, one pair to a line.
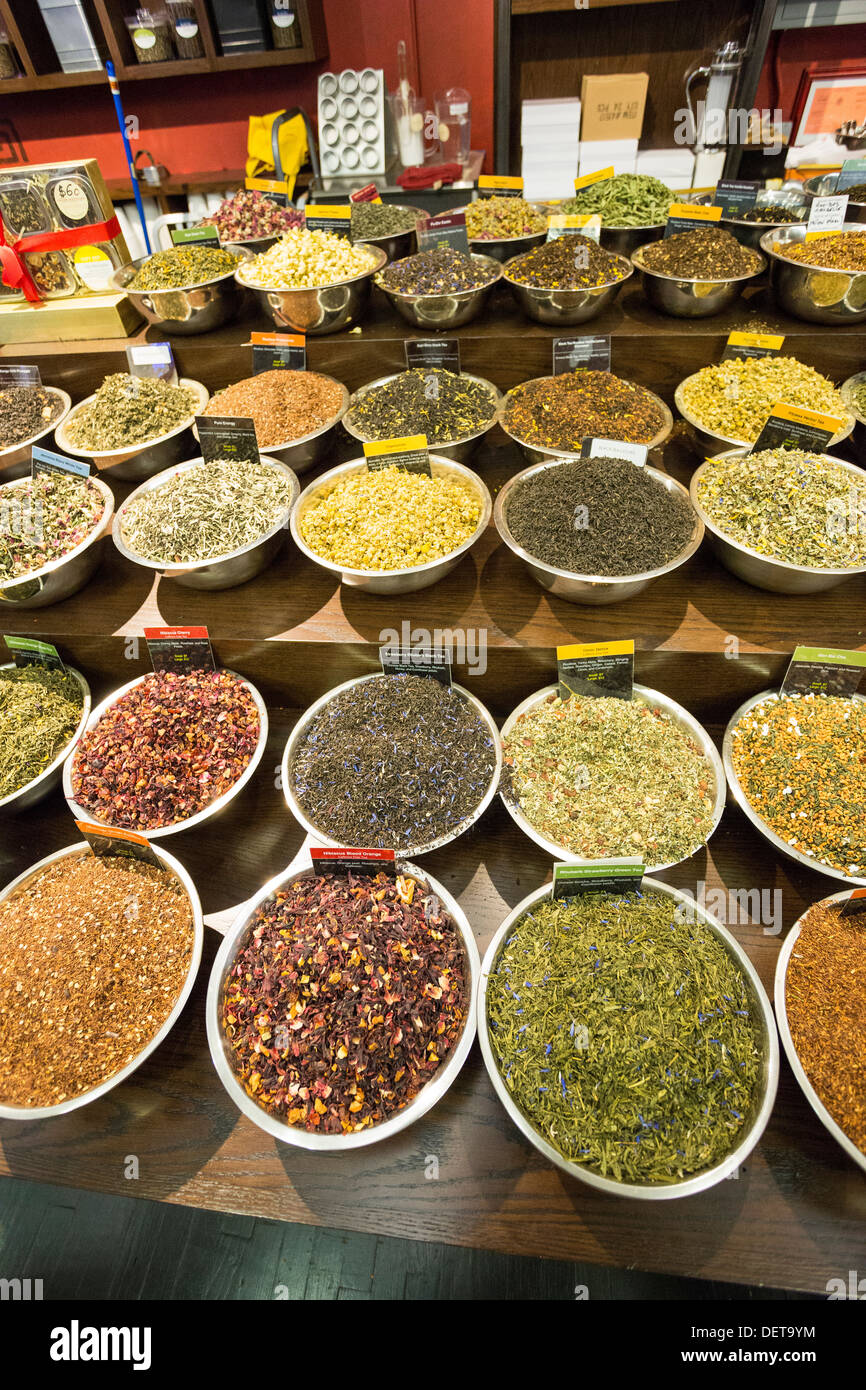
685,298
564,306
213,808
293,1134
538,453
739,795
853,393
15,458
174,867
765,1088
763,571
779,996
809,292
824,186
462,446
709,443
219,571
317,309
36,790
141,461
185,310
655,700
584,588
298,734
446,309
63,577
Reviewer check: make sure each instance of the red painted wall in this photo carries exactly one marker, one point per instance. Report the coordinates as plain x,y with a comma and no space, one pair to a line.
201,123
791,50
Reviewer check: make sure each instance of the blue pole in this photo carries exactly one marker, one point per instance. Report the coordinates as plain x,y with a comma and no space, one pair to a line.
121,120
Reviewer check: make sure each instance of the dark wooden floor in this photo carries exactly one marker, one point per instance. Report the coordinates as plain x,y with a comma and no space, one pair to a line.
86,1246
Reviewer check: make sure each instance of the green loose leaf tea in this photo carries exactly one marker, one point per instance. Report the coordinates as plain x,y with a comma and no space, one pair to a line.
39,712
626,1036
129,410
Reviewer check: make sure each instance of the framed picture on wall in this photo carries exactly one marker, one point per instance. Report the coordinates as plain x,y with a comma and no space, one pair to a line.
828,95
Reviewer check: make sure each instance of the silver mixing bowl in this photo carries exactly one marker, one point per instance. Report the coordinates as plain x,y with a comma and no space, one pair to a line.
580,588
707,442
766,1087
777,576
684,298
534,453
315,311
15,458
168,861
396,245
36,790
213,809
824,186
61,578
295,1135
847,390
190,309
562,307
144,460
808,292
221,571
459,449
447,310
405,581
307,450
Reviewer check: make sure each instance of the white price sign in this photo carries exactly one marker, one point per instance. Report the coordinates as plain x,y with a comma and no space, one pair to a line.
827,215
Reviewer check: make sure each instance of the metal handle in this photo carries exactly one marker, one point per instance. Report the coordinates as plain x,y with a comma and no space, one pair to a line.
698,72
311,142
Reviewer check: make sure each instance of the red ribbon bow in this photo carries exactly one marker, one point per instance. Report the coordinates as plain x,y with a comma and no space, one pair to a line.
13,268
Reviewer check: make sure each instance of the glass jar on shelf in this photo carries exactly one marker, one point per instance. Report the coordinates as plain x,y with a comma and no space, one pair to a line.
283,19
185,29
150,32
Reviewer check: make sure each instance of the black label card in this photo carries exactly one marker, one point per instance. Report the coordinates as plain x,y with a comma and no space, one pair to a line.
591,352
855,904
824,671
680,221
179,649
596,668
790,427
109,843
16,374
46,461
448,230
356,861
736,196
28,652
227,437
195,236
596,876
416,661
274,350
433,352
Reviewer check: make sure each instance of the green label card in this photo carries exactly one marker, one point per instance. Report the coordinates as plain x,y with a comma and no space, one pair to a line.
596,876
195,236
824,671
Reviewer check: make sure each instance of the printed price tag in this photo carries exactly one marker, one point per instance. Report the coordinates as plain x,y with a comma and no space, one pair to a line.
152,360
433,352
277,190
596,668
792,427
826,216
227,437
852,171
416,661
273,350
596,876
368,194
587,180
736,196
196,236
410,453
855,903
753,345
19,375
28,652
824,670
46,461
684,217
448,230
355,861
597,448
567,223
499,186
109,843
591,352
329,217
179,649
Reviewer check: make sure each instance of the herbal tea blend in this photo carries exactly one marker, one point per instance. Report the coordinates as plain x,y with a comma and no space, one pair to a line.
248,215
183,267
442,405
93,956
24,411
559,412
382,220
708,253
788,505
129,410
345,998
40,710
825,1003
395,762
206,511
307,260
801,761
627,1037
283,405
44,518
842,251
856,193
734,398
571,262
600,777
626,200
498,219
436,272
390,519
166,749
772,213
602,516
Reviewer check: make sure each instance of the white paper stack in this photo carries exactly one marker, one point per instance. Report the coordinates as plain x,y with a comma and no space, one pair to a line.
550,139
675,166
601,154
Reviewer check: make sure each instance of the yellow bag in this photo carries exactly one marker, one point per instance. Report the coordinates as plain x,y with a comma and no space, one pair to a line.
277,147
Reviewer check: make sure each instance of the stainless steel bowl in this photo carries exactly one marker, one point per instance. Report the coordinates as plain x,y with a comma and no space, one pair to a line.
144,460
187,310
221,571
459,449
777,576
61,578
750,233
307,450
823,187
679,716
808,292
444,311
766,1089
297,734
624,241
253,245
690,298
213,809
504,248
534,453
707,442
168,861
36,790
780,1000
405,581
581,588
564,306
427,1097
15,458
847,390
751,814
315,311
396,245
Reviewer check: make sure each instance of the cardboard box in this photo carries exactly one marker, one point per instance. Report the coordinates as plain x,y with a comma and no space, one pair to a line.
69,320
613,106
